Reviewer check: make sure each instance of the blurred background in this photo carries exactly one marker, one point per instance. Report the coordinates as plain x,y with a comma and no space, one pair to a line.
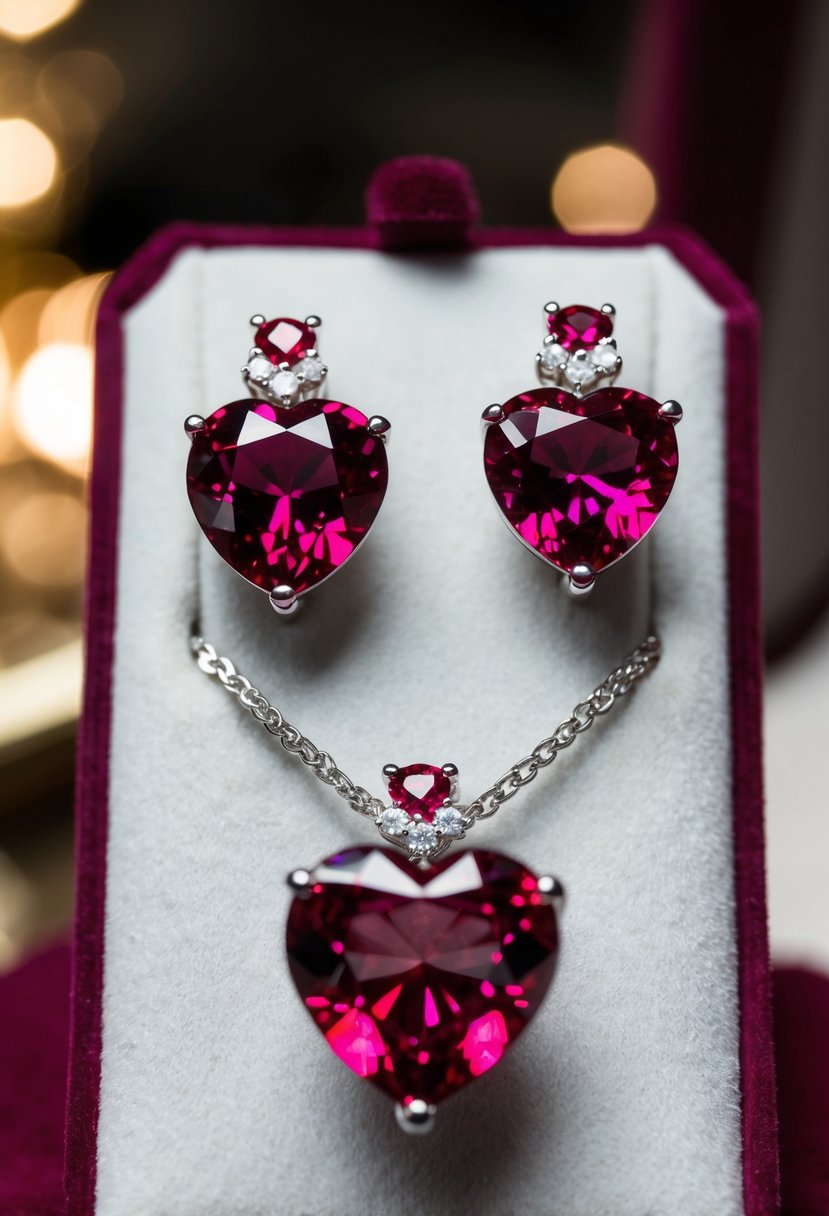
117,117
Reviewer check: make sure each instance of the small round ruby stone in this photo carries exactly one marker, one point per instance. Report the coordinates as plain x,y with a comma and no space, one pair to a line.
285,496
581,479
420,789
578,327
285,340
420,980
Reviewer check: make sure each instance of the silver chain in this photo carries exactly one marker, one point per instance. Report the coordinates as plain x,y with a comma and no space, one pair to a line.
615,685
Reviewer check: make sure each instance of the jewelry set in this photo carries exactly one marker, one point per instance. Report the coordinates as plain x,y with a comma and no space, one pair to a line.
420,969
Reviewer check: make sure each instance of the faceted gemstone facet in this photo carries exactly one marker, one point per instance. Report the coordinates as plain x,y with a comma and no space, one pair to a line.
578,327
420,789
286,496
581,479
285,340
421,980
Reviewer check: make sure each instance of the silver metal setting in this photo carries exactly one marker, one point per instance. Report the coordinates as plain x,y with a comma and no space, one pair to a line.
671,411
300,881
552,888
581,579
380,427
415,1116
284,600
616,685
491,415
193,425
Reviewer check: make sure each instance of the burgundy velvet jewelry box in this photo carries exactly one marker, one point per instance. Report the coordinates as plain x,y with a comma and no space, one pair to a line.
421,216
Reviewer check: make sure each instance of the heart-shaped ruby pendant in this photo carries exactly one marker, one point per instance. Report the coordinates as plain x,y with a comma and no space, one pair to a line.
581,479
420,979
286,495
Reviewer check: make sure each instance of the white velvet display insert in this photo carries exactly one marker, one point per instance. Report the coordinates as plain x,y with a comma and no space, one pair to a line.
444,640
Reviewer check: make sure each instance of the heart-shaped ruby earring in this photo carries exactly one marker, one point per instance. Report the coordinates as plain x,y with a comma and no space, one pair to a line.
581,480
286,489
580,476
421,979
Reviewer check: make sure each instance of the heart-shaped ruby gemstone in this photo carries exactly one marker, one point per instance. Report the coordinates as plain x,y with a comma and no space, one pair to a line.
285,495
581,479
421,979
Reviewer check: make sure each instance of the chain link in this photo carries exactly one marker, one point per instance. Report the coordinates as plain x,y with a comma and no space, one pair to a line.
617,684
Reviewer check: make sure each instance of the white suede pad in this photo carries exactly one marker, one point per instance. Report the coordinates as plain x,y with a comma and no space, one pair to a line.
443,640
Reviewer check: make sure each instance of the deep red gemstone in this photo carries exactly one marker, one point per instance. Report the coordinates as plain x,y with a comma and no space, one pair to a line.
578,327
286,495
285,340
421,979
420,789
581,479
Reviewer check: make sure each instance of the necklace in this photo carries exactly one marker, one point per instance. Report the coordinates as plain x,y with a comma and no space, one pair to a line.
421,972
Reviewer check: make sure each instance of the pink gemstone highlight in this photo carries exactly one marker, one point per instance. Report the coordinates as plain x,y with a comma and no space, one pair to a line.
581,479
578,327
420,789
286,496
357,1041
419,950
285,340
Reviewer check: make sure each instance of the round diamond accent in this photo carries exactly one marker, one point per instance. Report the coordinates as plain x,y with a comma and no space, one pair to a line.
580,371
311,368
285,387
394,822
448,821
259,369
605,357
552,355
422,838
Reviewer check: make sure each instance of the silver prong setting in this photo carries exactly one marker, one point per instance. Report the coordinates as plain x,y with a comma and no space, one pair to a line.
380,427
608,310
257,319
194,424
451,771
581,579
415,1116
554,891
284,600
388,772
551,308
300,881
671,411
492,415
313,321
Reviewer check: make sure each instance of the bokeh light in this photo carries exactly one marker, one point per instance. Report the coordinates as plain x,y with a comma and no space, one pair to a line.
43,539
69,314
607,188
28,163
81,90
52,403
24,19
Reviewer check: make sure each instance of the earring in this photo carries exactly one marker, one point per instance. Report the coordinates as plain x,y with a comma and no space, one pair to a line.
286,485
580,478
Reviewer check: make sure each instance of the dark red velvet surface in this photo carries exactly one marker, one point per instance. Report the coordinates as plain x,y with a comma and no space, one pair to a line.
128,286
34,1022
422,201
